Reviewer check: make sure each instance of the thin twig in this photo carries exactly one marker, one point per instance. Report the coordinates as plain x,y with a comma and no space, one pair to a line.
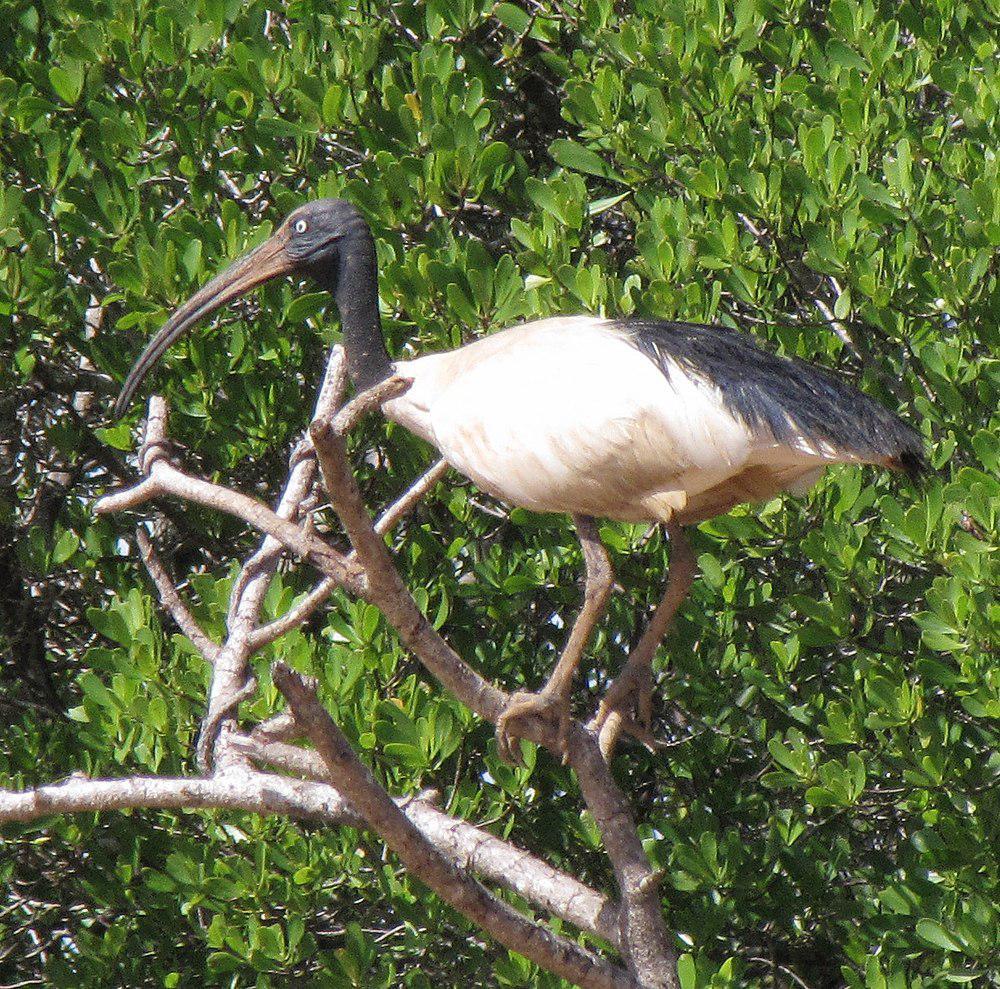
302,471
406,502
295,616
171,599
372,398
838,326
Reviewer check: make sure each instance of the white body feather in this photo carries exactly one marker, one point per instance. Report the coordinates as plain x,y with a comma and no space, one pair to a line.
567,415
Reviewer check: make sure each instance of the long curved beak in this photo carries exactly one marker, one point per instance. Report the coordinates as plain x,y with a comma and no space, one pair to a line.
262,264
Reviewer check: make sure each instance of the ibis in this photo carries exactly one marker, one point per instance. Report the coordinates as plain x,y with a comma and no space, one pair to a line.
633,419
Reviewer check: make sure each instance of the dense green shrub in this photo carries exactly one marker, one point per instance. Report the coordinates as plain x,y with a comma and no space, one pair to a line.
826,811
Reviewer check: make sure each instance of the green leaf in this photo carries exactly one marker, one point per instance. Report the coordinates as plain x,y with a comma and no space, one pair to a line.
65,547
687,973
270,940
512,17
711,570
222,963
67,81
110,623
305,306
569,154
599,206
936,935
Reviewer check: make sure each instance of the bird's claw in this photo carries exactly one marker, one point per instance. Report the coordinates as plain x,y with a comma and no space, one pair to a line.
547,705
628,707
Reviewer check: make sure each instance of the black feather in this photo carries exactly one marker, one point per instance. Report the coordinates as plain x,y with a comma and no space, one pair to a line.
785,395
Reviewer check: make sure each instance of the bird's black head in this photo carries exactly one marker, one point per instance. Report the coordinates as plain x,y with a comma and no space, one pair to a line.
314,233
316,239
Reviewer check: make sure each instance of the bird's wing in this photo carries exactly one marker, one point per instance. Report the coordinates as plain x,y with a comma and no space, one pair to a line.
788,404
635,420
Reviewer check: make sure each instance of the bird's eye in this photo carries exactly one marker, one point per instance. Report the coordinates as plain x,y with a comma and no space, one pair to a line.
301,226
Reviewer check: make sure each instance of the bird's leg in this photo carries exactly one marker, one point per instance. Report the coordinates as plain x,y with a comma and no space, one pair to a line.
633,687
554,698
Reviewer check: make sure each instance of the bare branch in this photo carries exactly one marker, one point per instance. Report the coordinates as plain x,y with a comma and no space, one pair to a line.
295,615
262,793
460,890
280,728
229,681
261,566
644,938
506,865
331,391
471,847
171,599
406,502
164,478
120,501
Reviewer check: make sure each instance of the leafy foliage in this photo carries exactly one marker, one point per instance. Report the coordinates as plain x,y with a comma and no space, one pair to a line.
826,810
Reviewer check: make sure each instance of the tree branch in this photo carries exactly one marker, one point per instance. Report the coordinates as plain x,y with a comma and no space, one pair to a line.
165,479
471,847
262,793
644,938
171,599
454,886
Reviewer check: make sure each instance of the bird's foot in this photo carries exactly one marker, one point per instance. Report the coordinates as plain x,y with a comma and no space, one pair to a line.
627,707
549,705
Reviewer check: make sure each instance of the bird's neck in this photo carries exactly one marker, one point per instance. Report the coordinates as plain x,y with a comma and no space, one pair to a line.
357,300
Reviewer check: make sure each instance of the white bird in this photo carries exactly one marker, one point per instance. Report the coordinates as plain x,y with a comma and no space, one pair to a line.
639,420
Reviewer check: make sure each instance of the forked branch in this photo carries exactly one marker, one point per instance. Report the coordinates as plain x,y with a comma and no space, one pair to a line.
331,782
426,861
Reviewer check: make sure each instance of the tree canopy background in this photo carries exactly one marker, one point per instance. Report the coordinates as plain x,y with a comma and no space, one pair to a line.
826,812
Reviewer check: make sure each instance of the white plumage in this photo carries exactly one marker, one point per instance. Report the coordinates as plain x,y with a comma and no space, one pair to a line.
568,415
